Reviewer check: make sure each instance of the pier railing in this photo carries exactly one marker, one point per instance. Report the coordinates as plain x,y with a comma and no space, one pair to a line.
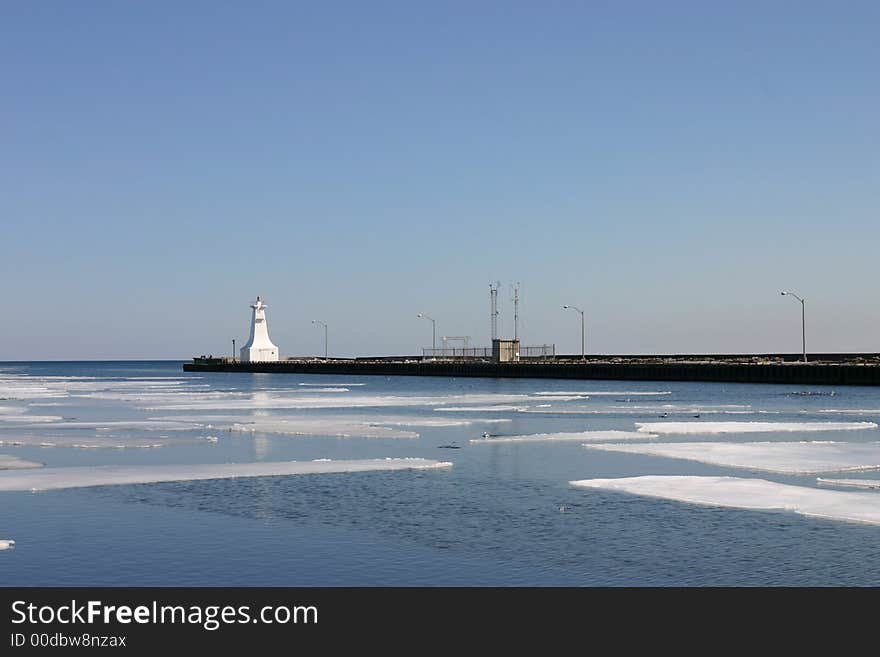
485,353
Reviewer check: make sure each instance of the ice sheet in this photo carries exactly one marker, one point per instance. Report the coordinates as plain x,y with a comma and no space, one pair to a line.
297,400
19,414
340,428
108,475
852,483
111,425
474,409
226,421
6,543
605,393
780,457
755,494
9,462
580,436
101,441
851,411
748,427
434,422
654,409
326,390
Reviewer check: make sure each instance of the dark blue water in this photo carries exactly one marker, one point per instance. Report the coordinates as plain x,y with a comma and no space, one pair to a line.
504,514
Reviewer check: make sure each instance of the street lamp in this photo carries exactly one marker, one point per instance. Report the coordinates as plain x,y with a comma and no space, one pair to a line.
803,321
433,333
318,321
583,351
233,350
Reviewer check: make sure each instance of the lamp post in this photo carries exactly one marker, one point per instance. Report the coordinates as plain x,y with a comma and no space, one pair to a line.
583,342
318,321
803,321
233,350
433,333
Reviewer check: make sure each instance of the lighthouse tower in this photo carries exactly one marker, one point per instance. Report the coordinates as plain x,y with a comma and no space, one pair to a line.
259,347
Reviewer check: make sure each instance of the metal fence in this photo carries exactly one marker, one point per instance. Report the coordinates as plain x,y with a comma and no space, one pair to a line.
476,353
538,351
457,352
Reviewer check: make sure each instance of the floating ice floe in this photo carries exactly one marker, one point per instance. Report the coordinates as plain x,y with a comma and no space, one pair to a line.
850,483
654,409
266,401
9,462
748,427
321,427
19,414
316,390
345,385
605,393
110,475
225,422
850,411
106,425
468,409
579,436
756,494
780,457
20,386
100,441
6,543
433,422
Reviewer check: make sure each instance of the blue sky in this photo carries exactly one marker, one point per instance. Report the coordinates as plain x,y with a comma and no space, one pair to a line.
668,167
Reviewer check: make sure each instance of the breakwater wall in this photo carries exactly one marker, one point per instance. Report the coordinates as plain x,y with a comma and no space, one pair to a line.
821,373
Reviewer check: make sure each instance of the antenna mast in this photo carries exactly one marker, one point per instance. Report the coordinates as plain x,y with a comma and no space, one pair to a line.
516,312
493,314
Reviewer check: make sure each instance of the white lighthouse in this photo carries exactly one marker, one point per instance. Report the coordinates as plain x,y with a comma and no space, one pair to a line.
259,347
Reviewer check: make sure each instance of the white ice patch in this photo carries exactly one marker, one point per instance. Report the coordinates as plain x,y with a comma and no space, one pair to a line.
433,422
346,385
18,414
339,428
757,494
605,393
851,411
654,409
109,475
113,425
778,457
268,401
226,421
850,483
691,428
6,543
327,390
292,401
8,462
469,409
33,419
101,441
579,436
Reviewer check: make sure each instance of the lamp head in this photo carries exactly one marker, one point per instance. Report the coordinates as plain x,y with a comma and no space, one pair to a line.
783,293
564,307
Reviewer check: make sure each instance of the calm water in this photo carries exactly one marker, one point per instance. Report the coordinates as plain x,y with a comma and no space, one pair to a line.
504,514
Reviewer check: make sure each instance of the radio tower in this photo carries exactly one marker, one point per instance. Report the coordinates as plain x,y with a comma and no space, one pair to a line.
493,315
516,312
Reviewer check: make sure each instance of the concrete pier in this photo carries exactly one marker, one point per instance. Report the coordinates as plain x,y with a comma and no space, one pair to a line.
827,369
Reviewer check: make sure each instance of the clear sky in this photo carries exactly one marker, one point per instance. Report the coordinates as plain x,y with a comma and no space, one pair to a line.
667,166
